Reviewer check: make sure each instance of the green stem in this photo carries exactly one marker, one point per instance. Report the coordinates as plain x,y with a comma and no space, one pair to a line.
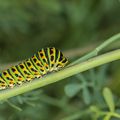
98,49
117,115
77,115
14,106
57,76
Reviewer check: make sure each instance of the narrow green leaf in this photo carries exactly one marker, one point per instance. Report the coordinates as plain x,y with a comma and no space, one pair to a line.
14,106
109,99
86,96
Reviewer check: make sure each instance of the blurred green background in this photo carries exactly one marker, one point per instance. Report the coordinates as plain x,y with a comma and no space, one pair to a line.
73,26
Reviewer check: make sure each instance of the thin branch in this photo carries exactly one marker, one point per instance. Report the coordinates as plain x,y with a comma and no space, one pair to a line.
98,49
57,76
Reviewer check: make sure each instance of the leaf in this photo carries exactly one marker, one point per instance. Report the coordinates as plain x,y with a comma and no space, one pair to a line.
86,96
109,99
14,106
72,89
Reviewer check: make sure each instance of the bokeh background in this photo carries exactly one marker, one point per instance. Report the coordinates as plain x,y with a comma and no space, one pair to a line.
73,26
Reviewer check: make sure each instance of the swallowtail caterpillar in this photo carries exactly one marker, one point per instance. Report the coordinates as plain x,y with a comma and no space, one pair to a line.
43,62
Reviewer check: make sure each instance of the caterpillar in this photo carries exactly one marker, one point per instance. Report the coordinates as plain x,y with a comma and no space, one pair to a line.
41,63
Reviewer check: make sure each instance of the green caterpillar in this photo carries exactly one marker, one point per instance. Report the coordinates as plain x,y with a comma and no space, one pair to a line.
44,61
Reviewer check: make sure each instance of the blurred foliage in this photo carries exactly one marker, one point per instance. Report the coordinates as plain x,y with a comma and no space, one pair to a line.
26,26
29,25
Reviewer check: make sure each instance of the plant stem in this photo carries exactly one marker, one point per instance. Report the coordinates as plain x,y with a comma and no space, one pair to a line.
57,76
98,49
77,115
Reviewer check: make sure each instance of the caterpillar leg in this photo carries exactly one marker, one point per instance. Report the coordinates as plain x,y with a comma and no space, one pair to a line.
11,83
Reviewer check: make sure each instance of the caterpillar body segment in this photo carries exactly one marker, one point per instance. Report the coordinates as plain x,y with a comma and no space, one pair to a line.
44,61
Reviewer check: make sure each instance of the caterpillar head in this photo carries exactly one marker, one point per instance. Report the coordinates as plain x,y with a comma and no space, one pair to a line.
61,64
